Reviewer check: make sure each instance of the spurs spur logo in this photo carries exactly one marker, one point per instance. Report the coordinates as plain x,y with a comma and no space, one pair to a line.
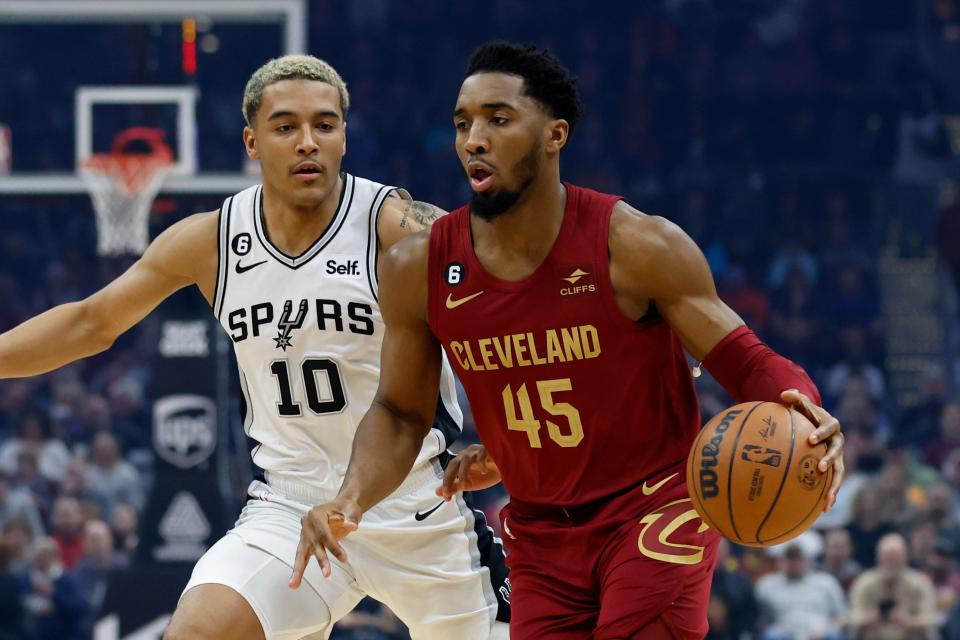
287,325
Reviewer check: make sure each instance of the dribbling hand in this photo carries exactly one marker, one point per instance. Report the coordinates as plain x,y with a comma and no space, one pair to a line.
472,470
321,529
828,430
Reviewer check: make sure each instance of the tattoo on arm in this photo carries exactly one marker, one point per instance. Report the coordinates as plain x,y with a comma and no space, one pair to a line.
423,213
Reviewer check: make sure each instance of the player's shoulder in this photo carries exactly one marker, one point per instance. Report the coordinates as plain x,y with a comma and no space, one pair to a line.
184,245
403,277
199,228
409,254
645,236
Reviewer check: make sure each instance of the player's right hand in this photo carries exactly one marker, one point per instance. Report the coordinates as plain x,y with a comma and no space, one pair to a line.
472,470
321,529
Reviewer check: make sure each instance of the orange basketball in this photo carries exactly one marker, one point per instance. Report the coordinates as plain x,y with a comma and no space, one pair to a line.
752,474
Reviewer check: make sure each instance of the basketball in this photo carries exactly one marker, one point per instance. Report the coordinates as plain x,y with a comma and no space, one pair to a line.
752,474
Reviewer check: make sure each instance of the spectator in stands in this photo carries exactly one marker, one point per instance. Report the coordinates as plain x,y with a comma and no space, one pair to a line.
940,513
111,479
868,525
67,524
34,436
951,475
94,416
941,568
800,603
857,406
98,560
793,318
920,422
842,238
863,459
852,303
732,612
951,629
922,538
18,538
129,416
11,606
741,296
855,364
17,504
905,478
54,603
792,259
892,601
75,483
125,526
27,478
838,557
69,394
15,398
948,435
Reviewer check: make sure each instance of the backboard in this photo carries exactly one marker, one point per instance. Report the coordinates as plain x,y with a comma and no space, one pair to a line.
176,65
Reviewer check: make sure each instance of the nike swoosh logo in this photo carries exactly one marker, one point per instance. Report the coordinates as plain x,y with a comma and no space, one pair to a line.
650,490
242,269
453,304
426,514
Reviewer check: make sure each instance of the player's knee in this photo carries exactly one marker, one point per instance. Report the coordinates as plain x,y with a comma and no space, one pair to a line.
190,624
196,630
179,631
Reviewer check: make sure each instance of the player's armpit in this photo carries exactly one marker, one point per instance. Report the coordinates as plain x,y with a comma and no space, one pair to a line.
401,217
76,330
653,261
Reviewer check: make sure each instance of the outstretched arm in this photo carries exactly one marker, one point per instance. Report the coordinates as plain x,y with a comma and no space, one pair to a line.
76,330
391,433
654,262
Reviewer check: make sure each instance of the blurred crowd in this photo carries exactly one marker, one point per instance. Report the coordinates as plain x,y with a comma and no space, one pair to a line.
782,135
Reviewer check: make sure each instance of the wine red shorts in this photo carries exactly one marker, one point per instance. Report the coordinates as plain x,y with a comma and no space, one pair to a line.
610,569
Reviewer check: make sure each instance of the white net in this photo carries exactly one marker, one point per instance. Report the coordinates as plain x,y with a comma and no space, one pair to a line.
122,187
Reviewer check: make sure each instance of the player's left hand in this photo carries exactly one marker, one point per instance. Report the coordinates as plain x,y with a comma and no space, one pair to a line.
828,430
472,470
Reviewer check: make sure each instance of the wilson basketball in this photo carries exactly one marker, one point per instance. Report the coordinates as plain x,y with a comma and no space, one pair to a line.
753,477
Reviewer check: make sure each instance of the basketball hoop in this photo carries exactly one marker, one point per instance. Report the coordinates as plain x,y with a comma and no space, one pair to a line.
122,185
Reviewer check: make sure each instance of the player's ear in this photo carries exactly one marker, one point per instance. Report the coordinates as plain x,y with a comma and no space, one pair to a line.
250,143
557,133
343,152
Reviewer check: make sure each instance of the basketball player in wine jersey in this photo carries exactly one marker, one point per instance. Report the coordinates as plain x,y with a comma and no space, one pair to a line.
566,313
289,268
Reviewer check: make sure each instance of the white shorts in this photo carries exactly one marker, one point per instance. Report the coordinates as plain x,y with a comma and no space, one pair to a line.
443,574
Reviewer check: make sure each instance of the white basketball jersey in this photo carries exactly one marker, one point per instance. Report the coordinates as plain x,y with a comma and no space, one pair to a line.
307,333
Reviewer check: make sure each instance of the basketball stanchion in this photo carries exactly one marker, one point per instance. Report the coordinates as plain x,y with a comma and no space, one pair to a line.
123,184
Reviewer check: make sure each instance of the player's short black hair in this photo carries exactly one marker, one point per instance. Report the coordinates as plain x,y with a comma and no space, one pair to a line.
545,78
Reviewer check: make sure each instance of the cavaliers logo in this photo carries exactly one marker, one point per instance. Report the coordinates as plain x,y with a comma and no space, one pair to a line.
663,529
808,476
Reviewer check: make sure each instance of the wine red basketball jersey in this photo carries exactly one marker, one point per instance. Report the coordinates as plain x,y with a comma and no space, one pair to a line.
573,400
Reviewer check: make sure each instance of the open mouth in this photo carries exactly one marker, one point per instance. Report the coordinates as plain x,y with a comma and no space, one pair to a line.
307,171
480,178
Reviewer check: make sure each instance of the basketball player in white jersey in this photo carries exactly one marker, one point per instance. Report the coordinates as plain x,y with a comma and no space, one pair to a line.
290,270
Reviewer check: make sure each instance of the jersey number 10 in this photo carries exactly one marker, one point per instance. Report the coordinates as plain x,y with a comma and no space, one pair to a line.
310,368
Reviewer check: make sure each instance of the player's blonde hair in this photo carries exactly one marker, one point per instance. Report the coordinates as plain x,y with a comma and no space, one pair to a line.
292,67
